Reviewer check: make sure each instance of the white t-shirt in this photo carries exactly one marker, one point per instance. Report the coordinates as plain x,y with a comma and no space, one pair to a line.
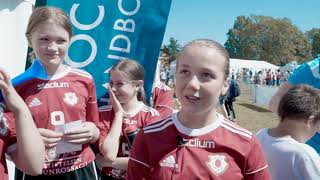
289,159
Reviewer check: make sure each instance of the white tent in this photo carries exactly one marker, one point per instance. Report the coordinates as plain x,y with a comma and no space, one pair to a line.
291,66
14,16
255,65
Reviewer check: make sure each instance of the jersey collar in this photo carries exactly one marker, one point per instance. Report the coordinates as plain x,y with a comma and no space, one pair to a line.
196,132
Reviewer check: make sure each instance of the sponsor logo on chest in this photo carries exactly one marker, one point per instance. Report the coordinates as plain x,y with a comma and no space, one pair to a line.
130,121
199,143
52,85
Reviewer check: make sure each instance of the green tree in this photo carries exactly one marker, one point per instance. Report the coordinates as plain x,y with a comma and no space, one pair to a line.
265,38
314,38
173,48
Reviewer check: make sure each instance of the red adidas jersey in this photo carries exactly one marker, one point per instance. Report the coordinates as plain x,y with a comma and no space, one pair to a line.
221,150
162,99
66,97
145,116
7,137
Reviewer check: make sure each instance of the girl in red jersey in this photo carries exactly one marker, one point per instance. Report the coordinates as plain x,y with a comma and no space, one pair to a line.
63,106
122,120
16,125
197,142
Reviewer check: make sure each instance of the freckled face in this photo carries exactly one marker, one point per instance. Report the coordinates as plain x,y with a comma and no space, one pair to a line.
122,87
50,43
200,79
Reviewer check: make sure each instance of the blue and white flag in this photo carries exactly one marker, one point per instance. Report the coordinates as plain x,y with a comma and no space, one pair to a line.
106,31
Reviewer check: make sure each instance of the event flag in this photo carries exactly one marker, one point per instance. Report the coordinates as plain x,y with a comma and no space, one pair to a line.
110,30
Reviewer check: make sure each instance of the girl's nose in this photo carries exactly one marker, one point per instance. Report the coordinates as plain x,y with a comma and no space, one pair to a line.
194,83
52,46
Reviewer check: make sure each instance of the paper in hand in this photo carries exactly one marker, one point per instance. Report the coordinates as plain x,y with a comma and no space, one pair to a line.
65,147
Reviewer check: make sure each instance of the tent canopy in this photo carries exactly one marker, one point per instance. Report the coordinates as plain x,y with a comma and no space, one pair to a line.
255,65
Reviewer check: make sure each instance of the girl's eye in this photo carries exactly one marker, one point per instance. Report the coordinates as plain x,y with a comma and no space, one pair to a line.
60,41
43,39
119,84
184,71
207,75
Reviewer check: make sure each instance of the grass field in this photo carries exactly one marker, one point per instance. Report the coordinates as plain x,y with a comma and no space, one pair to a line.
249,115
252,116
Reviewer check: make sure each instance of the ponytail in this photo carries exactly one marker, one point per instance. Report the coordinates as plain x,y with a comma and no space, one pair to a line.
141,95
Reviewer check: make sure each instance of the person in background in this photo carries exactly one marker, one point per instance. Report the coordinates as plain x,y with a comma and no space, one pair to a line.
279,77
308,73
162,99
223,109
228,102
17,126
121,121
197,142
287,155
64,105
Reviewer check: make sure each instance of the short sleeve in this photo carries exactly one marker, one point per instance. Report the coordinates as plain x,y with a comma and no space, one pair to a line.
256,166
307,165
162,98
92,114
152,117
139,163
104,125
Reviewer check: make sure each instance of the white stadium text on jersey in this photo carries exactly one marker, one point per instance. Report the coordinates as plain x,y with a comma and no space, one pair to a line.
199,143
52,85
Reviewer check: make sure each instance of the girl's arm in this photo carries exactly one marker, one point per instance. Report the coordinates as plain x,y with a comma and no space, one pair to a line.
110,145
29,154
118,163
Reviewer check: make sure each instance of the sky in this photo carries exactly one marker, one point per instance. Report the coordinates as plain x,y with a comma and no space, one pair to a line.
191,19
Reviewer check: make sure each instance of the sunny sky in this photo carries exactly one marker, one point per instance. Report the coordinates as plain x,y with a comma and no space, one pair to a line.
191,19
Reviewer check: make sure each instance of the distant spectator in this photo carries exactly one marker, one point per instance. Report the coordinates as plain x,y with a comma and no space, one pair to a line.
287,155
163,76
231,97
279,76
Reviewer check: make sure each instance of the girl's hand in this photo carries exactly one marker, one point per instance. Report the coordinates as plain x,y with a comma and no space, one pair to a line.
86,134
49,137
115,103
12,99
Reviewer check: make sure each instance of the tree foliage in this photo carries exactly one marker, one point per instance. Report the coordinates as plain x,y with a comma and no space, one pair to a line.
277,41
173,49
314,39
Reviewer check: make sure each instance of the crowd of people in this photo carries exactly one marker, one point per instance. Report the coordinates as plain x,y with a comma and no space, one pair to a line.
263,77
53,129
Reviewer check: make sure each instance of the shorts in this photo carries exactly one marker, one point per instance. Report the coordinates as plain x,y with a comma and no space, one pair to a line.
87,173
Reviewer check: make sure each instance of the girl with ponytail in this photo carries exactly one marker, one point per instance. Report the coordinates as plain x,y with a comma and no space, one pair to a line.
121,120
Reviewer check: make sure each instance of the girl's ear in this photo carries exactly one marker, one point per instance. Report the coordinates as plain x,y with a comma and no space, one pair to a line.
140,83
29,40
225,87
310,121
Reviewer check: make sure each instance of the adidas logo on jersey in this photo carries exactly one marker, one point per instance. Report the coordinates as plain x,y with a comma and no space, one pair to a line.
35,102
169,162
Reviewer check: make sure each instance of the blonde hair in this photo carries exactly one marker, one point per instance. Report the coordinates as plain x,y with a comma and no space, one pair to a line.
47,14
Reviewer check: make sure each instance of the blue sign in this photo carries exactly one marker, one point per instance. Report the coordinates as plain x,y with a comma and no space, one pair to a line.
110,30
